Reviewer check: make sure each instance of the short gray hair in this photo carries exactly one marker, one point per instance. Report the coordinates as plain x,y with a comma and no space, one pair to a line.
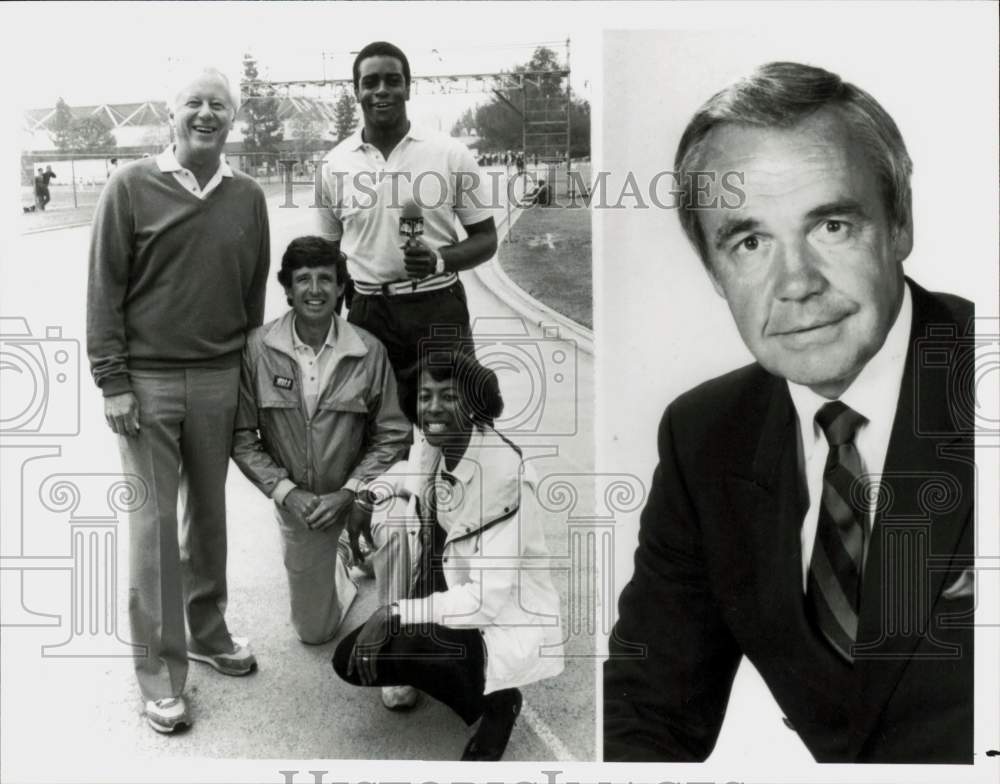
184,77
781,95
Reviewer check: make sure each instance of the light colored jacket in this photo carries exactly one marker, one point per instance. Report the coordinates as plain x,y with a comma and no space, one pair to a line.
495,559
356,432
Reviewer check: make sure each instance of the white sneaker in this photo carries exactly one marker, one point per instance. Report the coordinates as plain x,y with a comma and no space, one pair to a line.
240,662
168,714
399,698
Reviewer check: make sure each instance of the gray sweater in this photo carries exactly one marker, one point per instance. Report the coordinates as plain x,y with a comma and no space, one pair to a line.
175,281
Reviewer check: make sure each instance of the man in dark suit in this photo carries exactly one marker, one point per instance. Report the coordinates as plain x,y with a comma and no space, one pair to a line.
812,511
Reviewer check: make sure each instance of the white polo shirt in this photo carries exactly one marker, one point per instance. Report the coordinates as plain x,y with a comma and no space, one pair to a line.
364,193
167,162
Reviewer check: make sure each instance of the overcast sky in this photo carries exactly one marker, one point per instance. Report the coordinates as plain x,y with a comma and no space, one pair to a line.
93,53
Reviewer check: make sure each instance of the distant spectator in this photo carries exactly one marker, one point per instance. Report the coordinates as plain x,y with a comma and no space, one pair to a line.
543,194
40,189
42,196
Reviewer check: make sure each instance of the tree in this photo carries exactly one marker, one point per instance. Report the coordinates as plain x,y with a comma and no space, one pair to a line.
309,132
544,59
464,123
89,134
61,126
345,116
262,130
579,129
500,124
79,134
158,137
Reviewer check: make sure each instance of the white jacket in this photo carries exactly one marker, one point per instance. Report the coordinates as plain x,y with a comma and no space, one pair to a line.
496,562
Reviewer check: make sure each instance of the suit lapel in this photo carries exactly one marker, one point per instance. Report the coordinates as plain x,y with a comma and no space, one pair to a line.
764,598
767,505
924,503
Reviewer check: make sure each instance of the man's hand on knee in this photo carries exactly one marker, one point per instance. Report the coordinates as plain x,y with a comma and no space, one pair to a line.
122,413
332,508
301,502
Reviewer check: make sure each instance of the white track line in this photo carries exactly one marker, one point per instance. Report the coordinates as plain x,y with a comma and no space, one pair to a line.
555,746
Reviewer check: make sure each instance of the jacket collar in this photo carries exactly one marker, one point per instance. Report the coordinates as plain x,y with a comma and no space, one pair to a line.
927,503
278,336
775,431
330,339
466,467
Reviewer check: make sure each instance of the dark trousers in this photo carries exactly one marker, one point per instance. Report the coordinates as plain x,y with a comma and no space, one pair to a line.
448,664
409,323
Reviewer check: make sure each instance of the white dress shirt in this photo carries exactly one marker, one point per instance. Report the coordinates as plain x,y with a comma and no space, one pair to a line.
167,161
873,394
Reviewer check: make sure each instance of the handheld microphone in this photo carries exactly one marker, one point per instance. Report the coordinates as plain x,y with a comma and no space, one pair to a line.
411,221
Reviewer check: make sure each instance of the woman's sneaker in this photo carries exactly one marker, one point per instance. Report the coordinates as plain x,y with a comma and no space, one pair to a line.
399,698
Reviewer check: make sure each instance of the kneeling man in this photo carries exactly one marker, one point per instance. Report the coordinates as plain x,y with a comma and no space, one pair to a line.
318,415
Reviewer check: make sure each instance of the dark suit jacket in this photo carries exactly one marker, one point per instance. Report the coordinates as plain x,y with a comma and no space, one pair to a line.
718,573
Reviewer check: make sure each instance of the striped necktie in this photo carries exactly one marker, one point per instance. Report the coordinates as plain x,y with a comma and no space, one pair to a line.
834,584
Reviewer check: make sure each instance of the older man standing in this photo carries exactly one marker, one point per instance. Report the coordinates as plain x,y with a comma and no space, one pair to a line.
179,260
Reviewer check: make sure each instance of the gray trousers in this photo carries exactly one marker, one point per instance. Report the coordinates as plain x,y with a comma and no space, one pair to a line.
177,571
319,588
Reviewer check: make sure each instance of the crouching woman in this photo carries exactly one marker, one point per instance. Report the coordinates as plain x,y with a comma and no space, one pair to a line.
460,526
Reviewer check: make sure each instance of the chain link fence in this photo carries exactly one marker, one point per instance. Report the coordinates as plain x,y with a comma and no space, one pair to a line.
79,179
